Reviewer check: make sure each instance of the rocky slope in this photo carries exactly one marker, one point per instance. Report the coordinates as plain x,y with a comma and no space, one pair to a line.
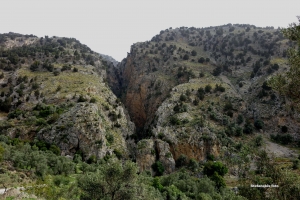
191,93
55,90
200,89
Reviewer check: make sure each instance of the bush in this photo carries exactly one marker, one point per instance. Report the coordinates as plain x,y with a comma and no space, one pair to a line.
93,100
174,120
194,53
296,164
211,167
208,88
56,73
193,164
248,128
179,108
182,97
201,93
229,113
14,114
282,139
240,119
118,153
217,71
181,161
158,168
219,88
238,131
185,57
110,138
258,141
92,159
228,106
259,124
284,129
65,67
55,149
210,157
201,60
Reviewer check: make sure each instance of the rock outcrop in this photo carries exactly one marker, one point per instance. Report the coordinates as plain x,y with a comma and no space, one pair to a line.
149,151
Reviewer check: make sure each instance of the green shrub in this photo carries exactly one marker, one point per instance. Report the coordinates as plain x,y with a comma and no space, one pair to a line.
296,164
211,167
208,88
201,93
181,161
282,139
240,119
259,124
93,100
158,168
210,157
248,128
14,114
182,97
201,60
179,108
92,159
238,131
174,120
185,57
110,138
258,141
228,106
118,154
55,149
56,73
156,184
193,164
41,122
65,67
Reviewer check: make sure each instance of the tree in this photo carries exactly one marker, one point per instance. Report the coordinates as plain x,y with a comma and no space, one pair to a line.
194,53
201,60
217,71
288,83
5,180
259,124
185,57
113,180
208,88
215,171
158,168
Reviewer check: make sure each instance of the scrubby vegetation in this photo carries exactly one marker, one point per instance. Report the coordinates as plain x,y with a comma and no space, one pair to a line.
200,96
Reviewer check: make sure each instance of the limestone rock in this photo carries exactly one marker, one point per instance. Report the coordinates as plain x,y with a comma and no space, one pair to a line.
149,151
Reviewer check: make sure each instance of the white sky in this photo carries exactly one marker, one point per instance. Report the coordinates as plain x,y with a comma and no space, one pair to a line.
111,26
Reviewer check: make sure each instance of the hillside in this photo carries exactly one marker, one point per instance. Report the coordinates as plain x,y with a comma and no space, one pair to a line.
191,104
55,90
187,84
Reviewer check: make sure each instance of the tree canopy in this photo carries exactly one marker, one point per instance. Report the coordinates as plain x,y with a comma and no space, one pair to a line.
288,83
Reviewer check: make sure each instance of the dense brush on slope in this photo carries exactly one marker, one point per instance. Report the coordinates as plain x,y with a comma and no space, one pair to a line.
194,88
54,89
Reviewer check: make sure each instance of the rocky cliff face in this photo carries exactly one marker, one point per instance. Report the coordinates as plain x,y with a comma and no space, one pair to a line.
149,151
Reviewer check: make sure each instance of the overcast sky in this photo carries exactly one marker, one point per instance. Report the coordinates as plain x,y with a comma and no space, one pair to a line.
110,27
